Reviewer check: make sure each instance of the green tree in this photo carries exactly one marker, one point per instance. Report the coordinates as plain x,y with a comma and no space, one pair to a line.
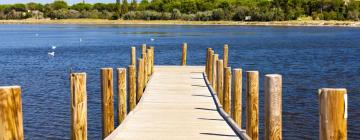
133,5
124,7
59,4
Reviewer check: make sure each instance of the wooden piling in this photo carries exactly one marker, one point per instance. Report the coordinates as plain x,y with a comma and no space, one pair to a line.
148,64
226,55
237,89
184,51
214,74
273,108
78,106
211,63
122,105
220,80
227,90
140,78
107,98
132,87
333,113
133,56
144,57
11,118
143,48
252,104
152,59
207,61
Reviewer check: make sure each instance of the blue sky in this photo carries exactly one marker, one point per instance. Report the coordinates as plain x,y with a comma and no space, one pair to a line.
49,1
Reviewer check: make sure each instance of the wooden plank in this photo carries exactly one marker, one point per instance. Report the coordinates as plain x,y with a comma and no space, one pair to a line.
177,105
78,106
11,118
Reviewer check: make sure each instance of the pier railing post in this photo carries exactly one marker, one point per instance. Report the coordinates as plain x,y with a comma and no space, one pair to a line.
140,79
226,55
252,104
152,59
227,90
122,105
273,108
148,64
211,63
184,51
220,80
237,89
207,61
144,57
333,113
78,106
143,48
132,87
214,79
107,97
133,56
11,118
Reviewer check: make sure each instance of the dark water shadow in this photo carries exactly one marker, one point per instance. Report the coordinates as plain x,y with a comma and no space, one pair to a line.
210,119
200,95
215,134
208,109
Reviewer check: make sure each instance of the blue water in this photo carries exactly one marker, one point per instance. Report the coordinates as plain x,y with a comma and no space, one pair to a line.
307,57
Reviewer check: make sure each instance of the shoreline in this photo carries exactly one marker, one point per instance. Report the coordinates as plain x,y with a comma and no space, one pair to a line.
320,23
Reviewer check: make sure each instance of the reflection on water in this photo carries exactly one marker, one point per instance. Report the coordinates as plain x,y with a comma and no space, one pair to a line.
308,58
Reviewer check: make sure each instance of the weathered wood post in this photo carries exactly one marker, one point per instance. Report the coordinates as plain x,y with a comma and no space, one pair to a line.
152,59
184,51
214,75
107,101
226,55
220,80
143,48
333,113
11,118
237,89
78,106
140,78
148,64
207,61
144,57
132,87
210,66
252,104
122,105
227,90
133,56
273,115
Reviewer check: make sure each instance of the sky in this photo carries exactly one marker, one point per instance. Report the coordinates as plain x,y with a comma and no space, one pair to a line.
49,1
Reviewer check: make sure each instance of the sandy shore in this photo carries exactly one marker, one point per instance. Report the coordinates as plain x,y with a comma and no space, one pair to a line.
180,22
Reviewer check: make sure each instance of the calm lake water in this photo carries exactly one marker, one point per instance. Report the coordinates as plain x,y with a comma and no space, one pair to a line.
308,58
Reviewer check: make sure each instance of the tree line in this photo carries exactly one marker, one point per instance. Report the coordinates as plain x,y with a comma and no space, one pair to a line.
197,10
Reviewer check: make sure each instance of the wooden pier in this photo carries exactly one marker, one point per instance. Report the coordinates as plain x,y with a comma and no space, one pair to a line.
180,102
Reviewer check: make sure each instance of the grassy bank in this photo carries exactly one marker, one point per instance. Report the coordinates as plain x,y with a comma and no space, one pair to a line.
181,22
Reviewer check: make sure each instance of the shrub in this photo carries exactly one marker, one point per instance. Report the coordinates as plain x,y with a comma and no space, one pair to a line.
203,16
353,15
240,13
115,16
188,17
218,14
176,14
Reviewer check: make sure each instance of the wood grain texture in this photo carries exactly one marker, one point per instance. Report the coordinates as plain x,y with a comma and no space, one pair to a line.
132,87
273,108
133,56
78,106
226,55
148,64
214,74
107,97
143,48
227,90
207,61
122,106
152,59
220,80
237,89
252,104
184,51
211,63
11,117
144,57
140,79
333,114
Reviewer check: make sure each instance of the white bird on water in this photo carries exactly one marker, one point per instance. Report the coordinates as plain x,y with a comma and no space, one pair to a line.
53,47
152,39
51,54
80,39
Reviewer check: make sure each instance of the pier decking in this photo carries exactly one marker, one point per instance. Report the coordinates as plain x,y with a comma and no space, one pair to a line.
177,104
